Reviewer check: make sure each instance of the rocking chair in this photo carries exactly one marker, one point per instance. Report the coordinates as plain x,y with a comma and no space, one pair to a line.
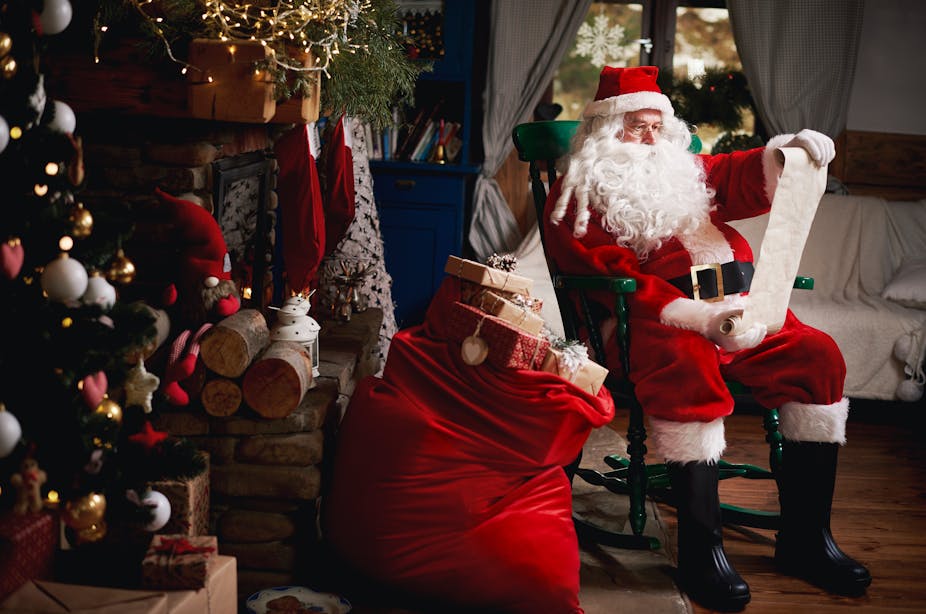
541,144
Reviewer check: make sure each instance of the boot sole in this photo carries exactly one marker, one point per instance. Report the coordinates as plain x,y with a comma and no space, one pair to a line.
855,588
712,602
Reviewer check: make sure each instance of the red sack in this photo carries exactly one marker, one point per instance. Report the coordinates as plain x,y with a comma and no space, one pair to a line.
448,479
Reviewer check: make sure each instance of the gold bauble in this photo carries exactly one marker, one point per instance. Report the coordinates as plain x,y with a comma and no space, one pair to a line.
8,67
110,409
121,270
91,534
85,512
6,44
82,220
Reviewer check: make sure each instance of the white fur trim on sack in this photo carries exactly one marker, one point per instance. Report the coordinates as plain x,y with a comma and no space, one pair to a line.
772,165
626,103
818,423
683,442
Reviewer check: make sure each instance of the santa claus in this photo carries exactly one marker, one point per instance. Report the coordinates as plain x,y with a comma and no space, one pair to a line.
633,201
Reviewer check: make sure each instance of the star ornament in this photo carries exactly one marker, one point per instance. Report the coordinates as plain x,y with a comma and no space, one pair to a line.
140,386
148,437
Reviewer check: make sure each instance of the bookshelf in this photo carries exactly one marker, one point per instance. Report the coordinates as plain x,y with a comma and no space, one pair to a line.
423,205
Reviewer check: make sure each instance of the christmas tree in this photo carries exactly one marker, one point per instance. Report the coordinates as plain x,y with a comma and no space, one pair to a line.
74,391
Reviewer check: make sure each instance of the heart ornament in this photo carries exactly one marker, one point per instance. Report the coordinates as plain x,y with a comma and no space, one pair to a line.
93,387
11,258
474,348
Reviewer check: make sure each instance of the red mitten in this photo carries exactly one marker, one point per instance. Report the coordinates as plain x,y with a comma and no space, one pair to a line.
300,201
339,186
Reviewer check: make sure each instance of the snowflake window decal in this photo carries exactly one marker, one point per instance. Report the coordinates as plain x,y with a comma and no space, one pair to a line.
601,41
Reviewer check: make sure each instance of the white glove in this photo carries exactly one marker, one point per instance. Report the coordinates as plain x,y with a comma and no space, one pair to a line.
818,146
719,324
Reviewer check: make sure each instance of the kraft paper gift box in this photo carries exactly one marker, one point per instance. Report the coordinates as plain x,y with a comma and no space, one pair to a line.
189,503
508,346
178,561
28,543
488,277
581,371
510,311
219,596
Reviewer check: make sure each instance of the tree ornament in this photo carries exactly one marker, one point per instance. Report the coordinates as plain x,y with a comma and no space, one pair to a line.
84,512
10,431
64,279
110,409
93,388
140,386
11,257
28,484
160,509
6,44
121,270
8,67
63,119
4,134
55,16
148,437
99,292
82,221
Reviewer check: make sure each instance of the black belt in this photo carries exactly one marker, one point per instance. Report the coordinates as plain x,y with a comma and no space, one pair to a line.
701,282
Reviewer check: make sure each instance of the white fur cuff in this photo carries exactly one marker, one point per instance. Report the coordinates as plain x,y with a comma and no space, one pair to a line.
818,423
683,442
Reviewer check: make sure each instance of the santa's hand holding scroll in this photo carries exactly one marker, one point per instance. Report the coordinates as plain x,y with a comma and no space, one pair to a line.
633,201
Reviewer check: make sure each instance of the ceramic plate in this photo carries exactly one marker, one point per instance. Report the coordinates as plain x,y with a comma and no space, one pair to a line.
323,603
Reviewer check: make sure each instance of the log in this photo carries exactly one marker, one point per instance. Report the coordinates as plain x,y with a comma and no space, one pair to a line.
275,383
229,347
221,397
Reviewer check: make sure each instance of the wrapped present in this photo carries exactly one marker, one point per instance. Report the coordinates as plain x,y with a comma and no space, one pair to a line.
220,595
488,277
178,561
506,346
573,364
189,503
510,311
28,543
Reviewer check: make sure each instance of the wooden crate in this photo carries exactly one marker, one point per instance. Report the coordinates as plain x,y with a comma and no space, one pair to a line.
235,93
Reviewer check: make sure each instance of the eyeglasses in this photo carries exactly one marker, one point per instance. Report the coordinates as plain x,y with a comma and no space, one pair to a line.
638,130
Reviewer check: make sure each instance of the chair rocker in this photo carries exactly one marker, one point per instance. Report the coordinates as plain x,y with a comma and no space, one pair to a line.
541,144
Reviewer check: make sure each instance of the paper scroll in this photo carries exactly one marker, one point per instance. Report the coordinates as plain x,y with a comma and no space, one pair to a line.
799,191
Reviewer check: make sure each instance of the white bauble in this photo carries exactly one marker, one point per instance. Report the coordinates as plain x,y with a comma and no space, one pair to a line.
64,279
99,292
160,509
4,134
55,17
10,432
63,120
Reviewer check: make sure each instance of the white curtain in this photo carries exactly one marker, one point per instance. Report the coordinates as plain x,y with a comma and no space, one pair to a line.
799,58
526,43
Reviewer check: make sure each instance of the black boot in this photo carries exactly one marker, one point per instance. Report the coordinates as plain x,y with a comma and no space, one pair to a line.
805,546
704,573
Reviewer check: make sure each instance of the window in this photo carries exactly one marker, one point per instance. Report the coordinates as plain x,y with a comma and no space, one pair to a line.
693,37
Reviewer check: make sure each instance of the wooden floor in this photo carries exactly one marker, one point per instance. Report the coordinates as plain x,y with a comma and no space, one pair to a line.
879,513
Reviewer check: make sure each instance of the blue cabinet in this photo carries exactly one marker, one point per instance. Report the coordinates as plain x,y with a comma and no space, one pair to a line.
423,208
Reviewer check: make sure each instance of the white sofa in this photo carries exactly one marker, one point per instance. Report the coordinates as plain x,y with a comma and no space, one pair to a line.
856,246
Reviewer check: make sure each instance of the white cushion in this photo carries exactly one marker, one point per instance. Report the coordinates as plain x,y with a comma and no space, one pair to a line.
908,286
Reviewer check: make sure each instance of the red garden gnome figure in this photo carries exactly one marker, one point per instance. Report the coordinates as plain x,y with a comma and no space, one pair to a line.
633,201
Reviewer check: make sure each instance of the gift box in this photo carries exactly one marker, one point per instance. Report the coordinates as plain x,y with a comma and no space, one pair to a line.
178,561
28,543
508,347
510,311
579,370
488,277
189,503
219,596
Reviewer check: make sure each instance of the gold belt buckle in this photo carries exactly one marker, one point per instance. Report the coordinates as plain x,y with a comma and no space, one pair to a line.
696,287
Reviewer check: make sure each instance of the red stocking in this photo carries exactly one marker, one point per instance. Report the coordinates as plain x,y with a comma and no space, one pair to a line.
339,179
301,208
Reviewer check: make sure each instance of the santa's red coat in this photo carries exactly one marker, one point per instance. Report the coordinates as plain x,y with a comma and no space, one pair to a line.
679,374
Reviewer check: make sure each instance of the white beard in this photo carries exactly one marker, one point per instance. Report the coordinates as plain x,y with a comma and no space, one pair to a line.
645,194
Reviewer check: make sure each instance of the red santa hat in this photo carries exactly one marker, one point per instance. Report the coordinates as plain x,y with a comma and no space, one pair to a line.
623,90
205,255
